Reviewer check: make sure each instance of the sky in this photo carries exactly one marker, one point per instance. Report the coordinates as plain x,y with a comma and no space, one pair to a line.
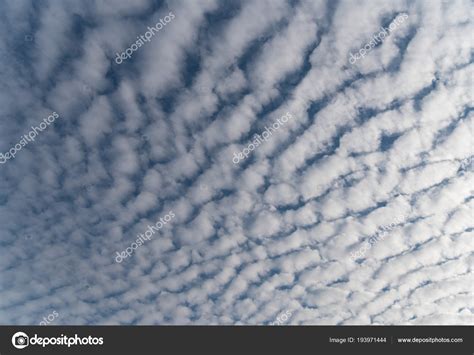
245,160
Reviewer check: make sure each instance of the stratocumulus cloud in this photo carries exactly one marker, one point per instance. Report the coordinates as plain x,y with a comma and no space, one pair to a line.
268,240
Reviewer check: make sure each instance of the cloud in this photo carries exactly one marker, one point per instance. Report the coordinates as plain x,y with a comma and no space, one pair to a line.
378,143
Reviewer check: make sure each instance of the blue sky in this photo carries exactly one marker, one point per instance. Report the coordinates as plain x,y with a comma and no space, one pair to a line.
384,143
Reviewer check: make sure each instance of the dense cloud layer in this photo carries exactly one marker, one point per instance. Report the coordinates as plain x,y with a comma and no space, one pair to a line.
356,210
